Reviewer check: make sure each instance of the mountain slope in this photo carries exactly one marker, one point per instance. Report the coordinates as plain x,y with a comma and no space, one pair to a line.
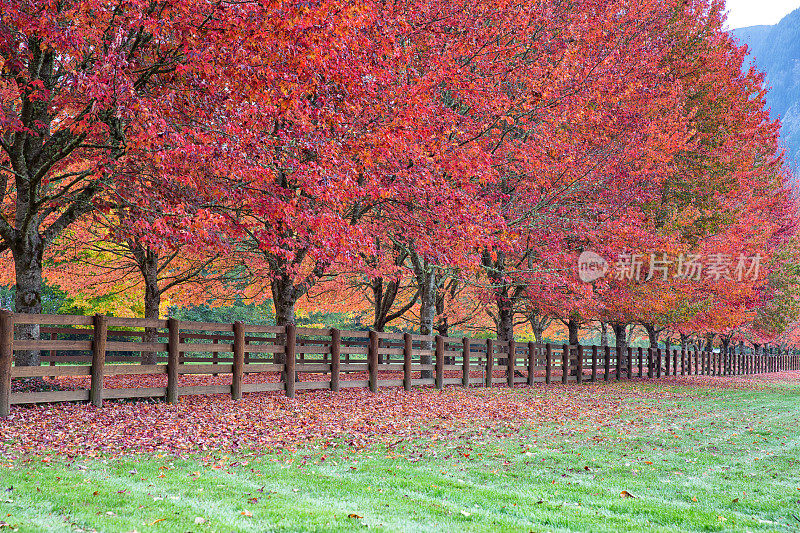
776,51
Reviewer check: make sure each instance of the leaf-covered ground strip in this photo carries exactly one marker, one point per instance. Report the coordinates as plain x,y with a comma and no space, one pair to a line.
707,454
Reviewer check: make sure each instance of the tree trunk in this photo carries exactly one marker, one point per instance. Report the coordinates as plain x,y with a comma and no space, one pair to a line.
442,325
621,339
505,322
28,255
152,301
603,334
538,325
652,334
378,322
427,313
283,299
573,327
710,342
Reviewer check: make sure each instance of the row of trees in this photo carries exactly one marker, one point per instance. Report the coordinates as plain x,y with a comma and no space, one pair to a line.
437,163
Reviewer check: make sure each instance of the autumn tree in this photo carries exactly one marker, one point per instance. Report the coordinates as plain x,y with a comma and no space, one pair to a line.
80,83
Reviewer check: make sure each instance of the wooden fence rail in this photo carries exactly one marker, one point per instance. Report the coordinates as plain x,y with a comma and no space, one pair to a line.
91,357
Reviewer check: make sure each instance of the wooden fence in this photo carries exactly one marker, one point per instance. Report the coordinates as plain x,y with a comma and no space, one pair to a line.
90,359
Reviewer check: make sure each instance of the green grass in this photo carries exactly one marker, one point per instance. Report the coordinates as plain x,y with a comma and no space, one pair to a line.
710,461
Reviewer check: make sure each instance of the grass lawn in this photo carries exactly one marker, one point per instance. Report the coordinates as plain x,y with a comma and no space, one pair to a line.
665,457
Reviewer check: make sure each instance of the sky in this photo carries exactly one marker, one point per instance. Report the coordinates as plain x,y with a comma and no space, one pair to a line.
743,13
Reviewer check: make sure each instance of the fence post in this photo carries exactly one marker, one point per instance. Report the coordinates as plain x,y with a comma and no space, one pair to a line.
238,361
53,353
667,354
676,354
630,362
291,359
372,361
407,349
606,363
336,358
579,365
512,356
173,360
650,357
742,359
465,345
683,360
439,362
658,362
594,362
731,369
6,358
565,349
98,359
675,362
548,362
641,361
531,362
215,355
489,357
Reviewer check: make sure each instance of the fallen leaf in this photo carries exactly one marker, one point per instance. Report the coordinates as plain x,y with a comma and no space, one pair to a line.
354,515
246,513
626,494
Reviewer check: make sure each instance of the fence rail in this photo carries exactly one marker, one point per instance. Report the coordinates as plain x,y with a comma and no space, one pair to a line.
93,356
